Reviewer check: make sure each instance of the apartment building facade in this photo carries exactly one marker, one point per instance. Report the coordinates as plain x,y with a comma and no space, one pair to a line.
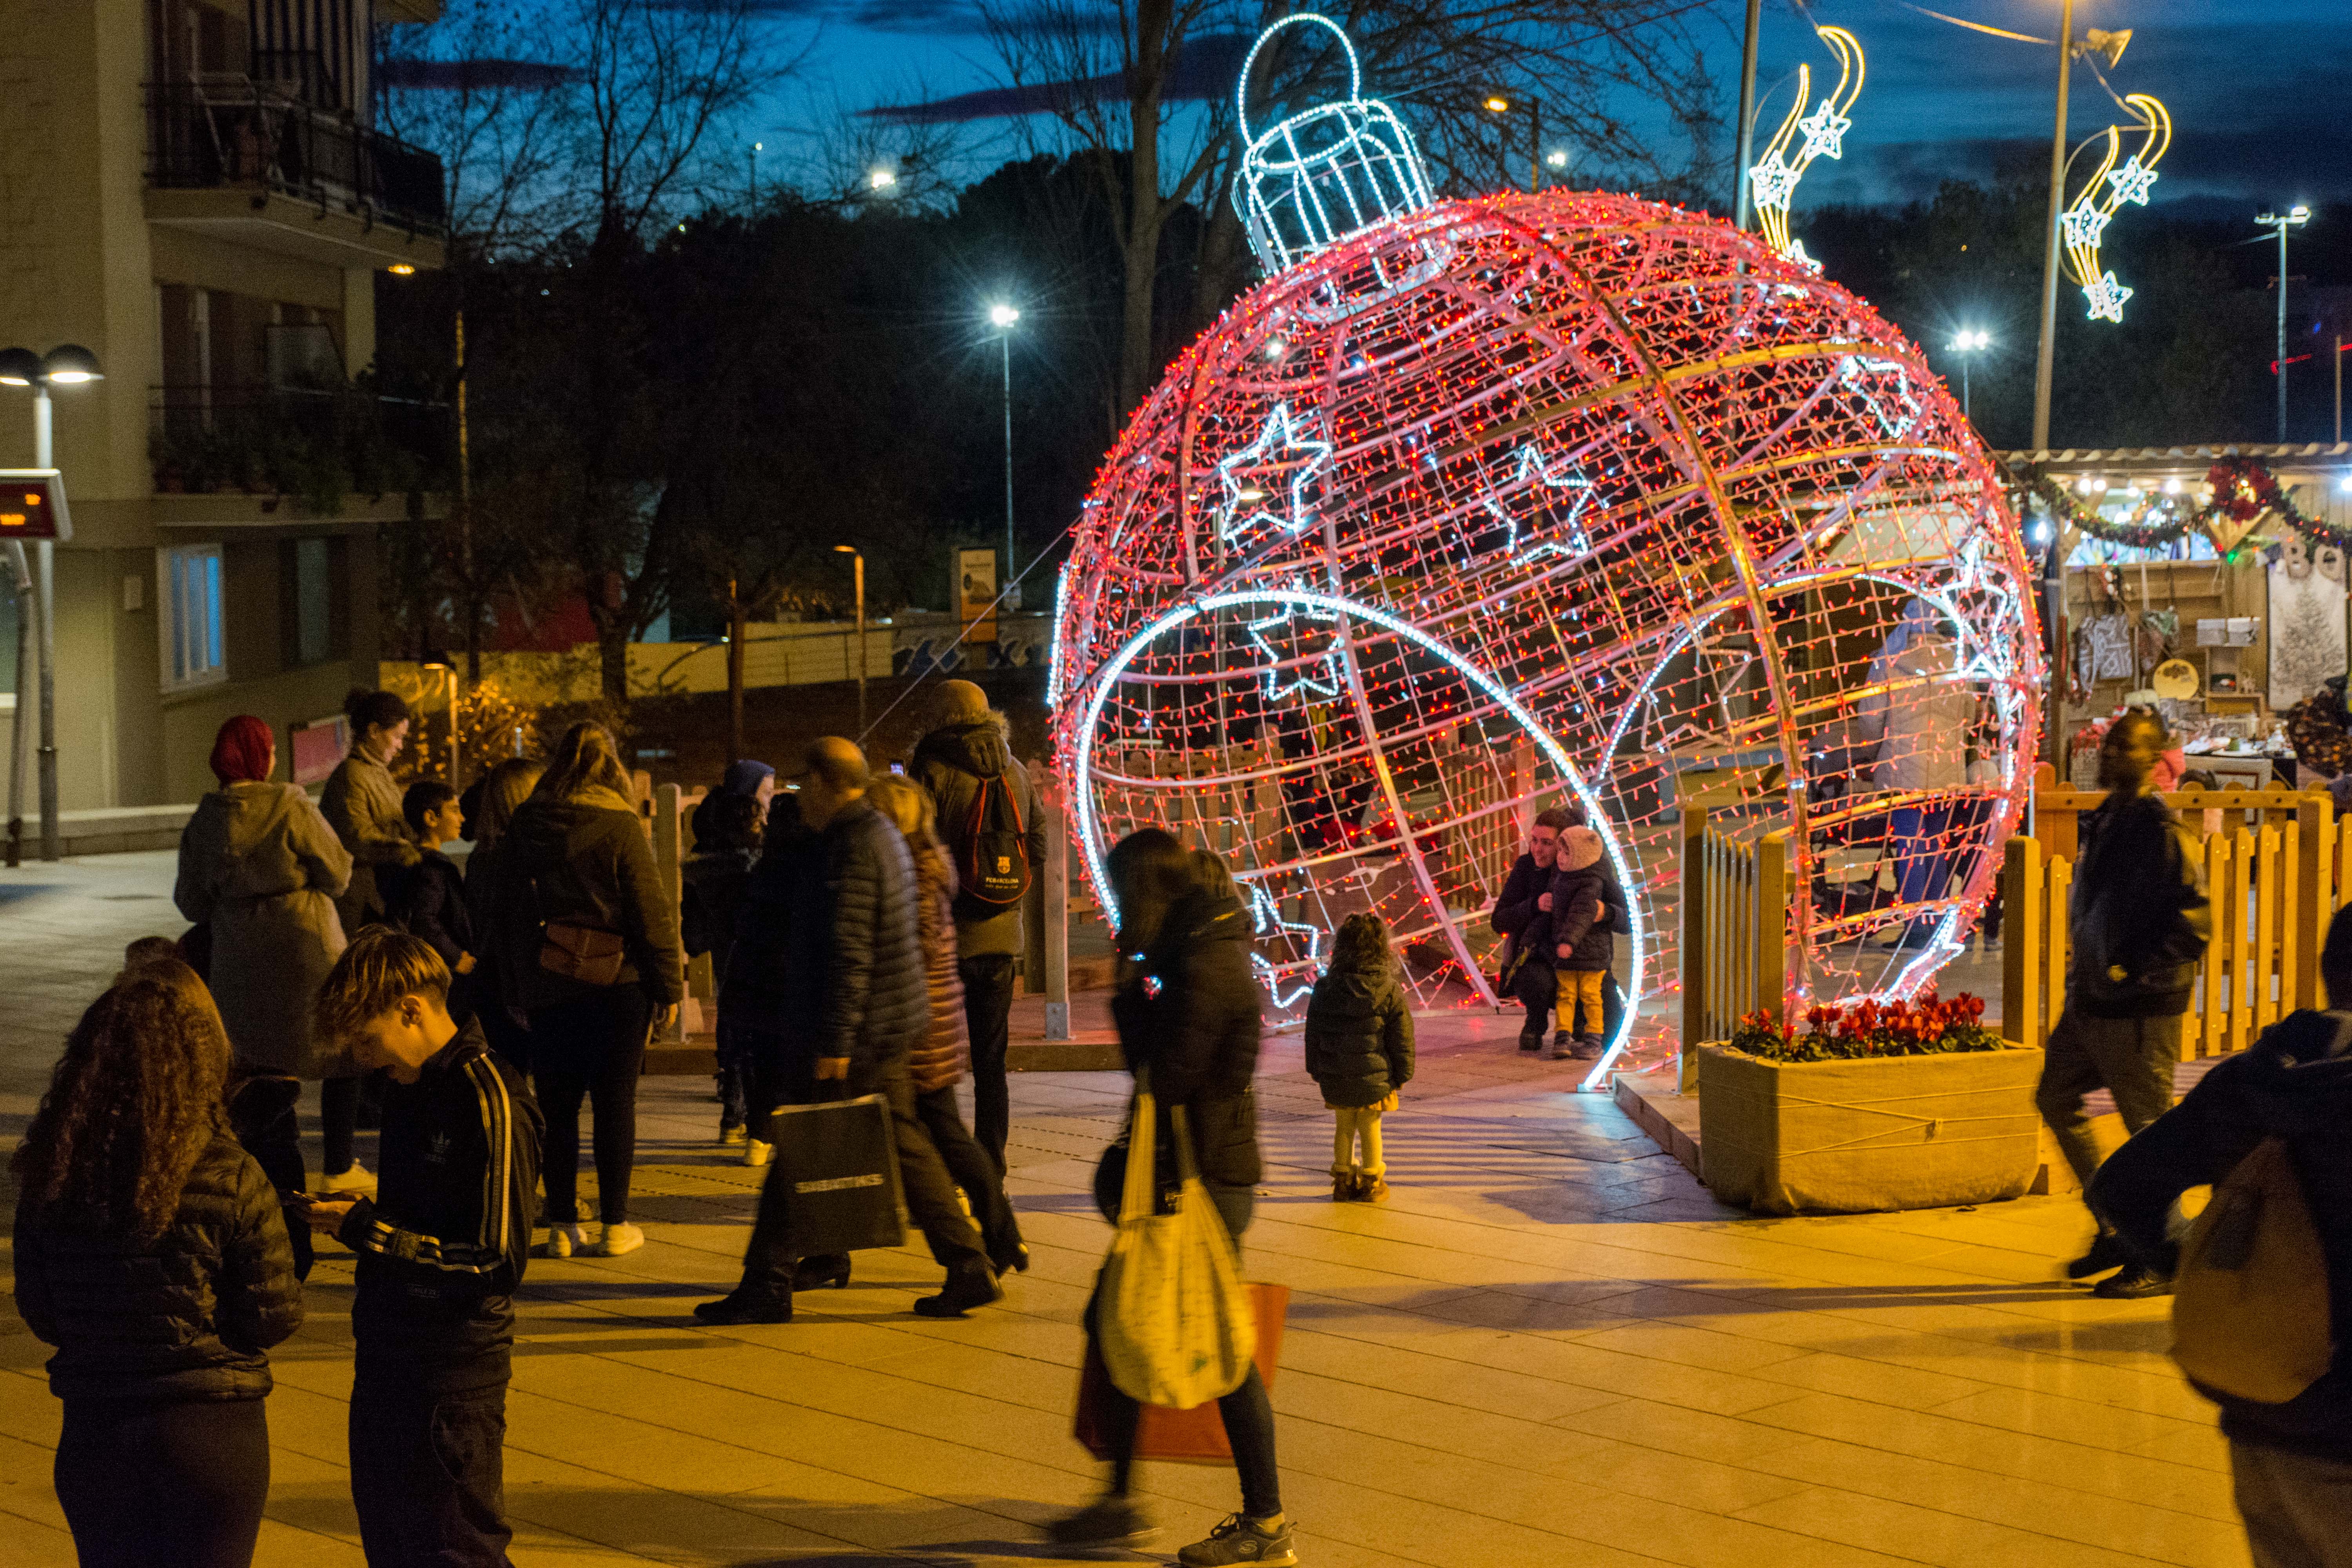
194,190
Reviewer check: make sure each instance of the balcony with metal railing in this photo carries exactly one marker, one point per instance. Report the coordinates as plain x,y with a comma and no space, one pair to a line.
247,158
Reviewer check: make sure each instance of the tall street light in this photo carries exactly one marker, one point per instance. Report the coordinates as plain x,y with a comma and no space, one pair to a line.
68,364
1743,197
1965,343
2045,357
1004,317
2295,217
858,571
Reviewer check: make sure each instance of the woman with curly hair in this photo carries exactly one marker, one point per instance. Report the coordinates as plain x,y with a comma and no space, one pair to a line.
150,1251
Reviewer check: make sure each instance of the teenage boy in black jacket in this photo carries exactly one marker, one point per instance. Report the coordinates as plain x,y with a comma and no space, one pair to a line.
441,1250
2293,1461
2139,924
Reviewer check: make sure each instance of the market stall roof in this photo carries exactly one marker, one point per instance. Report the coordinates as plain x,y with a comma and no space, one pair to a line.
2292,462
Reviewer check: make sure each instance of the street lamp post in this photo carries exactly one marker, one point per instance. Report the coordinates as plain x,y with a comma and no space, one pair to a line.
1965,343
755,175
69,364
1004,317
2046,355
858,577
1498,104
2293,217
1743,197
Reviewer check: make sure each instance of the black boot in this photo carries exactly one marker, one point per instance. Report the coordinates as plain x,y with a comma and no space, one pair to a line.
817,1273
969,1284
2106,1253
1531,1033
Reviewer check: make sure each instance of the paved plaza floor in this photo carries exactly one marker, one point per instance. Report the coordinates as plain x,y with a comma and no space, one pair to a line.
1549,1348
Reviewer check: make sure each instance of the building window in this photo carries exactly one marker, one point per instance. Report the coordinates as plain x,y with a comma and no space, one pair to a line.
314,598
191,584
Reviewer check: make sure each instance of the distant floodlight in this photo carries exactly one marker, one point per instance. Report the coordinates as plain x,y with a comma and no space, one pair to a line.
881,179
1003,316
1557,158
1498,104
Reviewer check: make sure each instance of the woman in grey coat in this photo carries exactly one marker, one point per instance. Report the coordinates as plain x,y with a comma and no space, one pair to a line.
260,866
362,802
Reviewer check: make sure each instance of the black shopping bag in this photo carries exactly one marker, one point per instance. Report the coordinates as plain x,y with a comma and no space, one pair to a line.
839,1165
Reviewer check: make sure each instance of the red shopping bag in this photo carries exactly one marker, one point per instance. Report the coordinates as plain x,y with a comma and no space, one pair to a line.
1192,1437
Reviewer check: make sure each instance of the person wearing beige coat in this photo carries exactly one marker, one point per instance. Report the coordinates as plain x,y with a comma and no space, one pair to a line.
361,802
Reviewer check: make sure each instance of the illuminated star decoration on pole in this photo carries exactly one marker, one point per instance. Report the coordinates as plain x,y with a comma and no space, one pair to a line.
2111,185
1266,923
1530,465
1285,451
1772,181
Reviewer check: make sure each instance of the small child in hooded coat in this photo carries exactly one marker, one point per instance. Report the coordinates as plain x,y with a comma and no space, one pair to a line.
1583,949
1359,1052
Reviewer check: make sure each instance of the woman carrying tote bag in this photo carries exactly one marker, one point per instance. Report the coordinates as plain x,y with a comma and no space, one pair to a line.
1188,1013
587,947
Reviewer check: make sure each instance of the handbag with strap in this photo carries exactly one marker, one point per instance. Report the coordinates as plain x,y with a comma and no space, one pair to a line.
586,953
1194,1436
1174,1322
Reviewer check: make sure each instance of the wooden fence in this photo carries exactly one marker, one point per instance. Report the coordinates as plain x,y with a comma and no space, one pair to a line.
2277,866
1734,923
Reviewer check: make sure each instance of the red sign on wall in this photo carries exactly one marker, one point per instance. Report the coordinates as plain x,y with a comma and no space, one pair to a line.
33,504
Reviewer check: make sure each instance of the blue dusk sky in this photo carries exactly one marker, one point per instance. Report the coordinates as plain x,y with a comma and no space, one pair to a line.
2260,90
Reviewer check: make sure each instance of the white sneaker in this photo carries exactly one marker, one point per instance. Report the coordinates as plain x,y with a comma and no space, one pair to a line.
618,1240
755,1153
564,1240
357,1179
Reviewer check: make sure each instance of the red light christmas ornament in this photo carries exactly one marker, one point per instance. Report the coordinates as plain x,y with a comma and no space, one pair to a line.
1478,507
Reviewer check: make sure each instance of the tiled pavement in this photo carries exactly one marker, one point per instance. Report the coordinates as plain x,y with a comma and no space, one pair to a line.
1551,1348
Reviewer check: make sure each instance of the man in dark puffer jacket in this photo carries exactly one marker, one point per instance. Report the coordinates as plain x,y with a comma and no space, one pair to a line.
853,967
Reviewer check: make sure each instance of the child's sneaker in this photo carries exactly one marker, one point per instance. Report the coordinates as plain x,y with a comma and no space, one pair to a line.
1343,1187
1240,1540
1588,1049
564,1241
1372,1190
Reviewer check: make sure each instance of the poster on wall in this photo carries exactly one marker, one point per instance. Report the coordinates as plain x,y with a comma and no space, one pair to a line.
2306,620
976,593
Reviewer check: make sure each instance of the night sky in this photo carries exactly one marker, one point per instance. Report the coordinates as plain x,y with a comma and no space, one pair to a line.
2261,90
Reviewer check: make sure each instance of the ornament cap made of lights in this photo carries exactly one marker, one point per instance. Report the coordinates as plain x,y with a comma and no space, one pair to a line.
1547,499
1326,172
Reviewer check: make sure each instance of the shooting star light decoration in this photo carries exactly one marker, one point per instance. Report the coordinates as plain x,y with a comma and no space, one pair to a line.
2112,185
1773,179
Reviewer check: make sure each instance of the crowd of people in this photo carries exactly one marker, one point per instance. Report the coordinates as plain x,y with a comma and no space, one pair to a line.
863,930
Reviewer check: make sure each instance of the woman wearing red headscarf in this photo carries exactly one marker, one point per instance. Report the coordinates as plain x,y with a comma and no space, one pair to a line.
260,866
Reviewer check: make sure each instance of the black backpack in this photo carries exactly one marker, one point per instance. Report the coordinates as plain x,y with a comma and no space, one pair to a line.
995,869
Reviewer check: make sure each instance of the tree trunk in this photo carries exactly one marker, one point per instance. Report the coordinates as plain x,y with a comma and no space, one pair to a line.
613,656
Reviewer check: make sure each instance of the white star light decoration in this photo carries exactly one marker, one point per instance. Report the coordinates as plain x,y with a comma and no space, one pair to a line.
1530,465
2131,181
2106,297
1850,374
1287,442
2084,224
1324,678
1771,182
1824,130
1266,921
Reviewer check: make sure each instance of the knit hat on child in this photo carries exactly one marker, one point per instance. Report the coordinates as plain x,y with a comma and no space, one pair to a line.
1580,847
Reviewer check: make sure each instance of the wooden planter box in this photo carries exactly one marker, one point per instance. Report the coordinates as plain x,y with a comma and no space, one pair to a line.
1851,1137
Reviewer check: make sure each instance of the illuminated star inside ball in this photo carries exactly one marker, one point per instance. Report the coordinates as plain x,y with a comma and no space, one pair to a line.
1310,677
2083,225
1285,453
1267,921
1773,182
2131,181
1566,477
1824,130
2106,297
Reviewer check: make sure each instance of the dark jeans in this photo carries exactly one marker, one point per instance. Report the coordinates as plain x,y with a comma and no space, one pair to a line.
2132,1058
972,1170
339,1119
595,1048
428,1475
180,1483
1917,837
1247,1413
735,1077
988,985
774,1251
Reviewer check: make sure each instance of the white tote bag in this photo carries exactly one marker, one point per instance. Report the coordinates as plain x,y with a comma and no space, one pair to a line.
1175,1322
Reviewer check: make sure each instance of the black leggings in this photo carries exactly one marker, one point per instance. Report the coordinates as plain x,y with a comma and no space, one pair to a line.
595,1048
339,1119
180,1483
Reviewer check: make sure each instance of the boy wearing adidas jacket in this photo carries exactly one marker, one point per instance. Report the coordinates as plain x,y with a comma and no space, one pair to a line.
2291,1462
441,1250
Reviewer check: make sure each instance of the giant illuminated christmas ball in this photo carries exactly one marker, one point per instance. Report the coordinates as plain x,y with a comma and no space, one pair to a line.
1484,506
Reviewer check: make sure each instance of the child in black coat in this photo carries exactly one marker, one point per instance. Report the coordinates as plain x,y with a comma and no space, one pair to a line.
1581,945
1359,1052
428,899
